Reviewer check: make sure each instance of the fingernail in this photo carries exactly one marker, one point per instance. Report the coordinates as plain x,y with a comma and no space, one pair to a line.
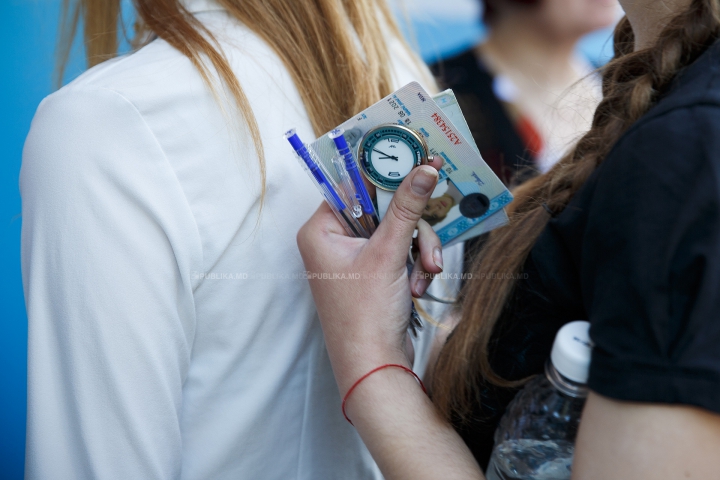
423,181
437,257
420,286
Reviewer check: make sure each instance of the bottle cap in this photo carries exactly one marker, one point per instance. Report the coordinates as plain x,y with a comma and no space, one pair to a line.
571,351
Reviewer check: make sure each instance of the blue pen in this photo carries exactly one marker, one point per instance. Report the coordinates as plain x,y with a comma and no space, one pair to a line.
351,166
351,224
346,185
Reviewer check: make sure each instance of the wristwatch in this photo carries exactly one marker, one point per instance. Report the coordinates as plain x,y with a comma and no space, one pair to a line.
387,154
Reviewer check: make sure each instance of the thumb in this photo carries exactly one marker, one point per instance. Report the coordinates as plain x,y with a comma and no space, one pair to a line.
395,232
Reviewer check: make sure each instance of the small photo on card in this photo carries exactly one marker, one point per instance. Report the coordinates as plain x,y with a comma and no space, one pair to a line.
443,206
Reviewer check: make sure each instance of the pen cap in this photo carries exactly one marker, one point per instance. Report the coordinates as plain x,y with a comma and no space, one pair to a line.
338,137
304,154
571,351
295,142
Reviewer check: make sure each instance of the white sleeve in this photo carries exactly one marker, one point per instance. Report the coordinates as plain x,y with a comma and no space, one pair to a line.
108,244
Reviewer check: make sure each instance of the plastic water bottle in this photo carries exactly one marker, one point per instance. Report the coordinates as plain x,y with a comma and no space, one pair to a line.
535,438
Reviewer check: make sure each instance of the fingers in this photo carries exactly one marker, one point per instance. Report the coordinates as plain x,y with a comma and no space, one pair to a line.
322,222
429,261
419,280
430,248
436,162
394,234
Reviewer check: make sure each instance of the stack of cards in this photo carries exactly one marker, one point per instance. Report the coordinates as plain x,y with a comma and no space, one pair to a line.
465,179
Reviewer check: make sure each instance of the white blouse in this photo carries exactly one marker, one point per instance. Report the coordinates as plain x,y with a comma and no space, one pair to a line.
171,331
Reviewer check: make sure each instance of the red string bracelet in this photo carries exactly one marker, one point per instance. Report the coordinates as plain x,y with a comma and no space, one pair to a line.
388,365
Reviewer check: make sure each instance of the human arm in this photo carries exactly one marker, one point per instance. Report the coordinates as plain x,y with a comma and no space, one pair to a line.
651,263
107,242
627,440
364,322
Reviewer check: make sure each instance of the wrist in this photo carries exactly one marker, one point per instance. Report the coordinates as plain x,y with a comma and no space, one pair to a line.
381,390
351,364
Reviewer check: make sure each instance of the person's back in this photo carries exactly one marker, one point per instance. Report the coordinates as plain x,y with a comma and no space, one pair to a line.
172,333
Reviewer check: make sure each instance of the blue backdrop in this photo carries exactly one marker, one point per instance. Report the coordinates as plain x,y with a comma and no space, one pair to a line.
28,33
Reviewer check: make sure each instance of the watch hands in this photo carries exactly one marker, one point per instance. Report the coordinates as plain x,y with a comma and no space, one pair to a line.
394,158
386,155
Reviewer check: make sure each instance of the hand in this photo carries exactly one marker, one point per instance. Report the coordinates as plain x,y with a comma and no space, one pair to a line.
365,315
365,321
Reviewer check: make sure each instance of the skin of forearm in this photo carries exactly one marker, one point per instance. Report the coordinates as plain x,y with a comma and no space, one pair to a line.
643,441
404,433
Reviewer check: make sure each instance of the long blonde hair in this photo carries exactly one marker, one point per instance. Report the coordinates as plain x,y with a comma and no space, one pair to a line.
632,83
309,36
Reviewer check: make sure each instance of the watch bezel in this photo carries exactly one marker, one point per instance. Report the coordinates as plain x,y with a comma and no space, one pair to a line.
408,135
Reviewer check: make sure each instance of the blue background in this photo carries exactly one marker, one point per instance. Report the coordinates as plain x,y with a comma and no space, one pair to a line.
28,36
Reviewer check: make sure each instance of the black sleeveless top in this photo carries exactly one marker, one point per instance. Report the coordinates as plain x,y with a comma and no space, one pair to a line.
637,253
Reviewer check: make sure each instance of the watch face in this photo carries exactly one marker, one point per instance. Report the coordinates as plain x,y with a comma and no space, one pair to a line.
388,153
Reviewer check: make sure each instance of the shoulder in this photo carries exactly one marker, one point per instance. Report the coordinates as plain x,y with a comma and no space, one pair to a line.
79,118
114,72
694,87
649,259
678,142
154,94
110,118
82,138
167,88
158,68
111,97
655,198
660,178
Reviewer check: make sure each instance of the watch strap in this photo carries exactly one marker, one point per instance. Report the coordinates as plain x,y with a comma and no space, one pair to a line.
383,198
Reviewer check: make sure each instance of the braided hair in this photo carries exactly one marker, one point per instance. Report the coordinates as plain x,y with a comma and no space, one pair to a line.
633,81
